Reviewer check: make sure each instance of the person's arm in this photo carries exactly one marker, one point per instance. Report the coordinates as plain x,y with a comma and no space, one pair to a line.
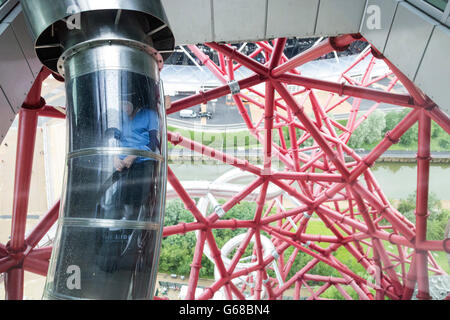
125,163
128,161
154,144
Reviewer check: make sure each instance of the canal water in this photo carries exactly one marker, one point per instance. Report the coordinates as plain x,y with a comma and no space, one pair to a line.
397,180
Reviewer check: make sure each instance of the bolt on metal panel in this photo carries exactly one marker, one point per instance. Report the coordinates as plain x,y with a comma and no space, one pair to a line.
15,74
433,75
237,20
408,38
377,21
339,17
297,17
190,20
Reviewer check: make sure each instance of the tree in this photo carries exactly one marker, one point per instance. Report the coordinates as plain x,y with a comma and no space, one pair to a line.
436,130
376,123
410,136
392,119
444,143
359,135
437,220
176,213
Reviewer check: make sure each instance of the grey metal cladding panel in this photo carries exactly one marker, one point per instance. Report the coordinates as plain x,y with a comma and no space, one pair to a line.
291,18
6,116
377,21
26,42
6,8
190,20
433,76
238,20
15,75
408,38
339,17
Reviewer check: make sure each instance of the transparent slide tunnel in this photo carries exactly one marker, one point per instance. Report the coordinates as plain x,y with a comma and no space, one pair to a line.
110,224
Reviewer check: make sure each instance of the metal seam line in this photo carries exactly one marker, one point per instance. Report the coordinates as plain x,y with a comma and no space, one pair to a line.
108,223
113,151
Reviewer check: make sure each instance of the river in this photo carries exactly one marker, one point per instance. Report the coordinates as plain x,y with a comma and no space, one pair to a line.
397,180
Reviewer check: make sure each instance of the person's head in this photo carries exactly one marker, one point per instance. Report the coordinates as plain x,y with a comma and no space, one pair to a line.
128,107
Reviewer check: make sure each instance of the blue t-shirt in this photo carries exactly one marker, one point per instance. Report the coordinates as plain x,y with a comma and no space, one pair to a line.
136,131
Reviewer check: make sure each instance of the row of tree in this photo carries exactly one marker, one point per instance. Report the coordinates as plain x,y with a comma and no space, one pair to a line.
368,133
375,127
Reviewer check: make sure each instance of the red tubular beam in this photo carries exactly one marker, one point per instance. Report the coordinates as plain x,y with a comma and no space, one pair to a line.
14,284
395,239
182,228
43,226
434,245
268,125
252,55
7,263
357,61
440,117
205,60
3,250
349,90
277,52
33,99
43,253
418,95
233,54
236,291
51,112
258,280
260,203
386,212
222,63
24,161
298,276
333,264
423,174
411,280
303,237
233,224
240,196
304,176
204,97
289,263
37,266
377,245
293,192
26,137
343,292
309,125
209,292
284,215
196,265
391,138
177,139
216,254
322,48
321,290
241,250
187,200
214,69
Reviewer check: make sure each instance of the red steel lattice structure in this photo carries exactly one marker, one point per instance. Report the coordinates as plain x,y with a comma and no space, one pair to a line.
324,177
